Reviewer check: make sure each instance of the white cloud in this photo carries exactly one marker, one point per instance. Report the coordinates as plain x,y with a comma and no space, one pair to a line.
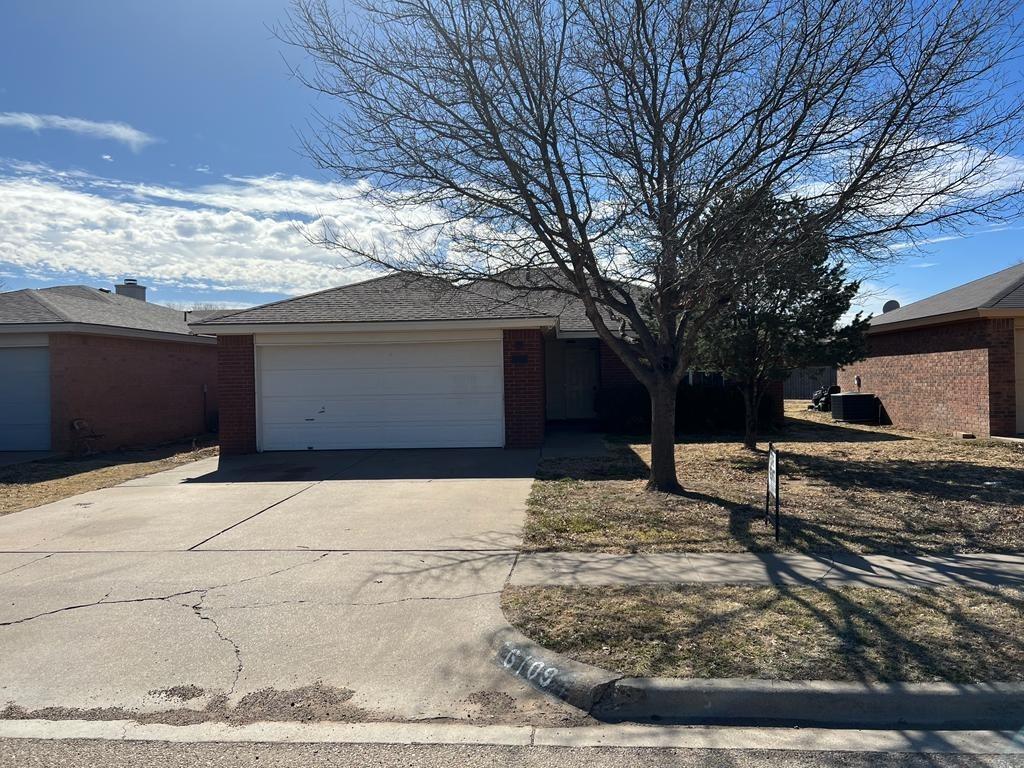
108,158
202,168
121,132
245,233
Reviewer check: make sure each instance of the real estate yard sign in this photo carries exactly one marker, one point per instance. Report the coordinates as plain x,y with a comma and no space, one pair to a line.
772,490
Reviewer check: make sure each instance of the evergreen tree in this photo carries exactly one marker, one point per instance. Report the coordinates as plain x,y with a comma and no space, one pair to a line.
790,297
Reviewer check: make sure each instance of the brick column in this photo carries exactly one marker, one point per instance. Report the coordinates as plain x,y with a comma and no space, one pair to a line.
1002,392
524,388
236,385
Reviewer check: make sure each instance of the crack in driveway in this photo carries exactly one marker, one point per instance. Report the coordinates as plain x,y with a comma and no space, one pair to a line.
197,609
156,598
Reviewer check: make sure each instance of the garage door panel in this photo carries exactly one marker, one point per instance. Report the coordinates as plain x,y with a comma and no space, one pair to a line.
379,409
393,395
354,356
24,399
384,381
410,435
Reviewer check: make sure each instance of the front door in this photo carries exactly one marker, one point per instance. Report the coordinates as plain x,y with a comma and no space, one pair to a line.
580,380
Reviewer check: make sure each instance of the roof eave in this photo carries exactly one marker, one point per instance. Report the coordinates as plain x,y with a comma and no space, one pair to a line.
103,330
246,329
943,319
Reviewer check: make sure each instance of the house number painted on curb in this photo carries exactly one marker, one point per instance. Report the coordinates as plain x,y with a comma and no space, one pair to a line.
529,668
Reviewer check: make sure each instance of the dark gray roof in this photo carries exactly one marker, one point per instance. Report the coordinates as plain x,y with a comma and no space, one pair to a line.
82,304
390,298
525,287
199,315
1002,290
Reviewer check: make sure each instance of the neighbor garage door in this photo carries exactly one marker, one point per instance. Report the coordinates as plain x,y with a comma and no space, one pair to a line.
24,399
436,394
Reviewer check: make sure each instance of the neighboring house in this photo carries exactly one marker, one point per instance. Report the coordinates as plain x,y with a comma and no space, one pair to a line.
953,362
126,371
403,362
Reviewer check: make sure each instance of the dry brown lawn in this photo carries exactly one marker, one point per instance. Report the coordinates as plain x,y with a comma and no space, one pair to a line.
29,485
844,488
780,633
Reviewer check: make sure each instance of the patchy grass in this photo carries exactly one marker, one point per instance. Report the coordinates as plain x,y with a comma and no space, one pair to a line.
844,488
39,482
780,633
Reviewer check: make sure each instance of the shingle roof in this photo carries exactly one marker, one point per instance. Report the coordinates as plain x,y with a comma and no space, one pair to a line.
390,298
1002,290
82,304
525,287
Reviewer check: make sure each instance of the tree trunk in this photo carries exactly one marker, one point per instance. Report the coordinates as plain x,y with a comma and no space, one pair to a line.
750,407
663,439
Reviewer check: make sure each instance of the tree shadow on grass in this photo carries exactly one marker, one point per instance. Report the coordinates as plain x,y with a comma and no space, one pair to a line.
939,480
820,632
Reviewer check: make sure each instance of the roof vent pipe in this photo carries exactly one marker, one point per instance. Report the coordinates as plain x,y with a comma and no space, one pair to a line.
130,287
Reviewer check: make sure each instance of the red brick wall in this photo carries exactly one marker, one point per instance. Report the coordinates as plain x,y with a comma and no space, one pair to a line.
613,372
956,377
524,388
236,370
132,391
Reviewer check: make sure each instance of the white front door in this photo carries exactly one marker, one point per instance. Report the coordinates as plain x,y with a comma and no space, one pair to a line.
419,394
24,399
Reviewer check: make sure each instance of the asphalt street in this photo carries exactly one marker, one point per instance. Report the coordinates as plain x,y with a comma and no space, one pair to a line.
21,753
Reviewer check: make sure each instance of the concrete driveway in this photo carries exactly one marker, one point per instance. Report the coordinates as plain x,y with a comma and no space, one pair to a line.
335,585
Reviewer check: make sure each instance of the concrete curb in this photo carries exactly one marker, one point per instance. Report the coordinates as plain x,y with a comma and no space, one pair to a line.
580,685
820,703
629,735
809,703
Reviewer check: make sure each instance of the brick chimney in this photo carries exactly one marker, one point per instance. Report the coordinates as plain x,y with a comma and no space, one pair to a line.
130,287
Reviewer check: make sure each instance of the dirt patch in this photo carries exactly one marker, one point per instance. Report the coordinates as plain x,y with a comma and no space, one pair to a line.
310,703
178,693
844,488
493,704
23,486
307,704
781,633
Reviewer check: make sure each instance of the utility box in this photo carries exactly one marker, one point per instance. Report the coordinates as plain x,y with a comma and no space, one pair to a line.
855,407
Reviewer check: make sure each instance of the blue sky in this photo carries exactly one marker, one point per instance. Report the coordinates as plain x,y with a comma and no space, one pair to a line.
186,172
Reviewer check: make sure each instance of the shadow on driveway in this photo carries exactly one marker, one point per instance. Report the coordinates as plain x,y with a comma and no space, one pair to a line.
397,464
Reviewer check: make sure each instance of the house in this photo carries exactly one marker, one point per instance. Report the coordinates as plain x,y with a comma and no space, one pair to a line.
953,362
81,361
406,362
402,361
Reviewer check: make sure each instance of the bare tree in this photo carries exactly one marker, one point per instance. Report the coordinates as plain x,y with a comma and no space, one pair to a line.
592,138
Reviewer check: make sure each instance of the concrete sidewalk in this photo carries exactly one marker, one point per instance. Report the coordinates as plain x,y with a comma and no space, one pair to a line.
600,569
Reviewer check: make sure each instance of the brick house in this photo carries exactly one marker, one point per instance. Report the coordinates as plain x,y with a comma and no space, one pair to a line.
953,362
132,371
407,362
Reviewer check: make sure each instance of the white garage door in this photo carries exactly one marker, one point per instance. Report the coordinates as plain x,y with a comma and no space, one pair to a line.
391,395
24,399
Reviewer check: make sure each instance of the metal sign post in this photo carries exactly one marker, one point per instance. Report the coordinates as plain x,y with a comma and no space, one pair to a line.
772,490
